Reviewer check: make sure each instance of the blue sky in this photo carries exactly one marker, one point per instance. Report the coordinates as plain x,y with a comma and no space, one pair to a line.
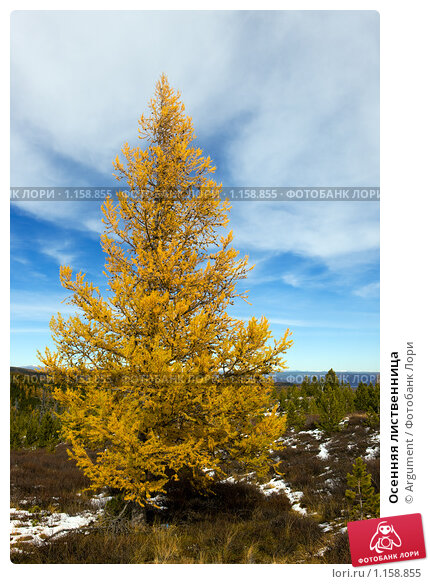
277,99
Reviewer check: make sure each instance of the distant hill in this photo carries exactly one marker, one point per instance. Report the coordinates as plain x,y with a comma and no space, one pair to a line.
290,377
352,378
25,370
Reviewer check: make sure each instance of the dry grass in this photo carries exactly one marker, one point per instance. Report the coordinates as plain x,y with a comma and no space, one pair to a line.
226,540
47,479
235,524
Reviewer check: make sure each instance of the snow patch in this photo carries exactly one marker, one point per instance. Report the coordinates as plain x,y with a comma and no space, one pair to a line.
25,526
315,433
99,501
158,501
322,551
323,452
372,452
36,527
286,441
278,485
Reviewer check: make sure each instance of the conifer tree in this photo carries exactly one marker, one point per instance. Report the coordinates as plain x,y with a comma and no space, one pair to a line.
282,400
367,398
361,496
155,378
315,386
306,386
296,416
333,401
362,397
330,407
332,378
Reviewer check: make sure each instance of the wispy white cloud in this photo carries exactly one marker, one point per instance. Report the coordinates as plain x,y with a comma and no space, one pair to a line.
21,260
311,323
327,231
77,215
287,123
59,251
277,99
369,291
292,280
290,123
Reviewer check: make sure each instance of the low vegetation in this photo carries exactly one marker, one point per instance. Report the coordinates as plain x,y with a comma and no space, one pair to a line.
298,515
328,400
33,419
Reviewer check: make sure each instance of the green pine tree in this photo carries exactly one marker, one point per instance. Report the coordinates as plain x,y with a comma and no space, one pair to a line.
332,378
362,500
330,407
367,399
333,400
361,397
315,386
306,386
283,400
49,430
296,416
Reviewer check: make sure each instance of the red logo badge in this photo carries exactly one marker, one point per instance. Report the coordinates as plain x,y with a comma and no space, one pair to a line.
389,539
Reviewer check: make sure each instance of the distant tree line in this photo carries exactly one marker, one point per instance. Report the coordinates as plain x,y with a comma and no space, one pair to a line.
329,400
33,419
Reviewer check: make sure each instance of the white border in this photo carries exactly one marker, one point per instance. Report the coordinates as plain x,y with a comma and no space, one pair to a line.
405,129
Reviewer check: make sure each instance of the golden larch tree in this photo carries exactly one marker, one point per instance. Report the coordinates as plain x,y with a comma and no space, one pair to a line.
157,379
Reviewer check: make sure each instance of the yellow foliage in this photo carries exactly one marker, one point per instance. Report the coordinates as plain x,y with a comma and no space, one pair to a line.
157,377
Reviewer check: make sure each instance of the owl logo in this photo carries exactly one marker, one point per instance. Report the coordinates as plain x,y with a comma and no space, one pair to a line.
385,538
